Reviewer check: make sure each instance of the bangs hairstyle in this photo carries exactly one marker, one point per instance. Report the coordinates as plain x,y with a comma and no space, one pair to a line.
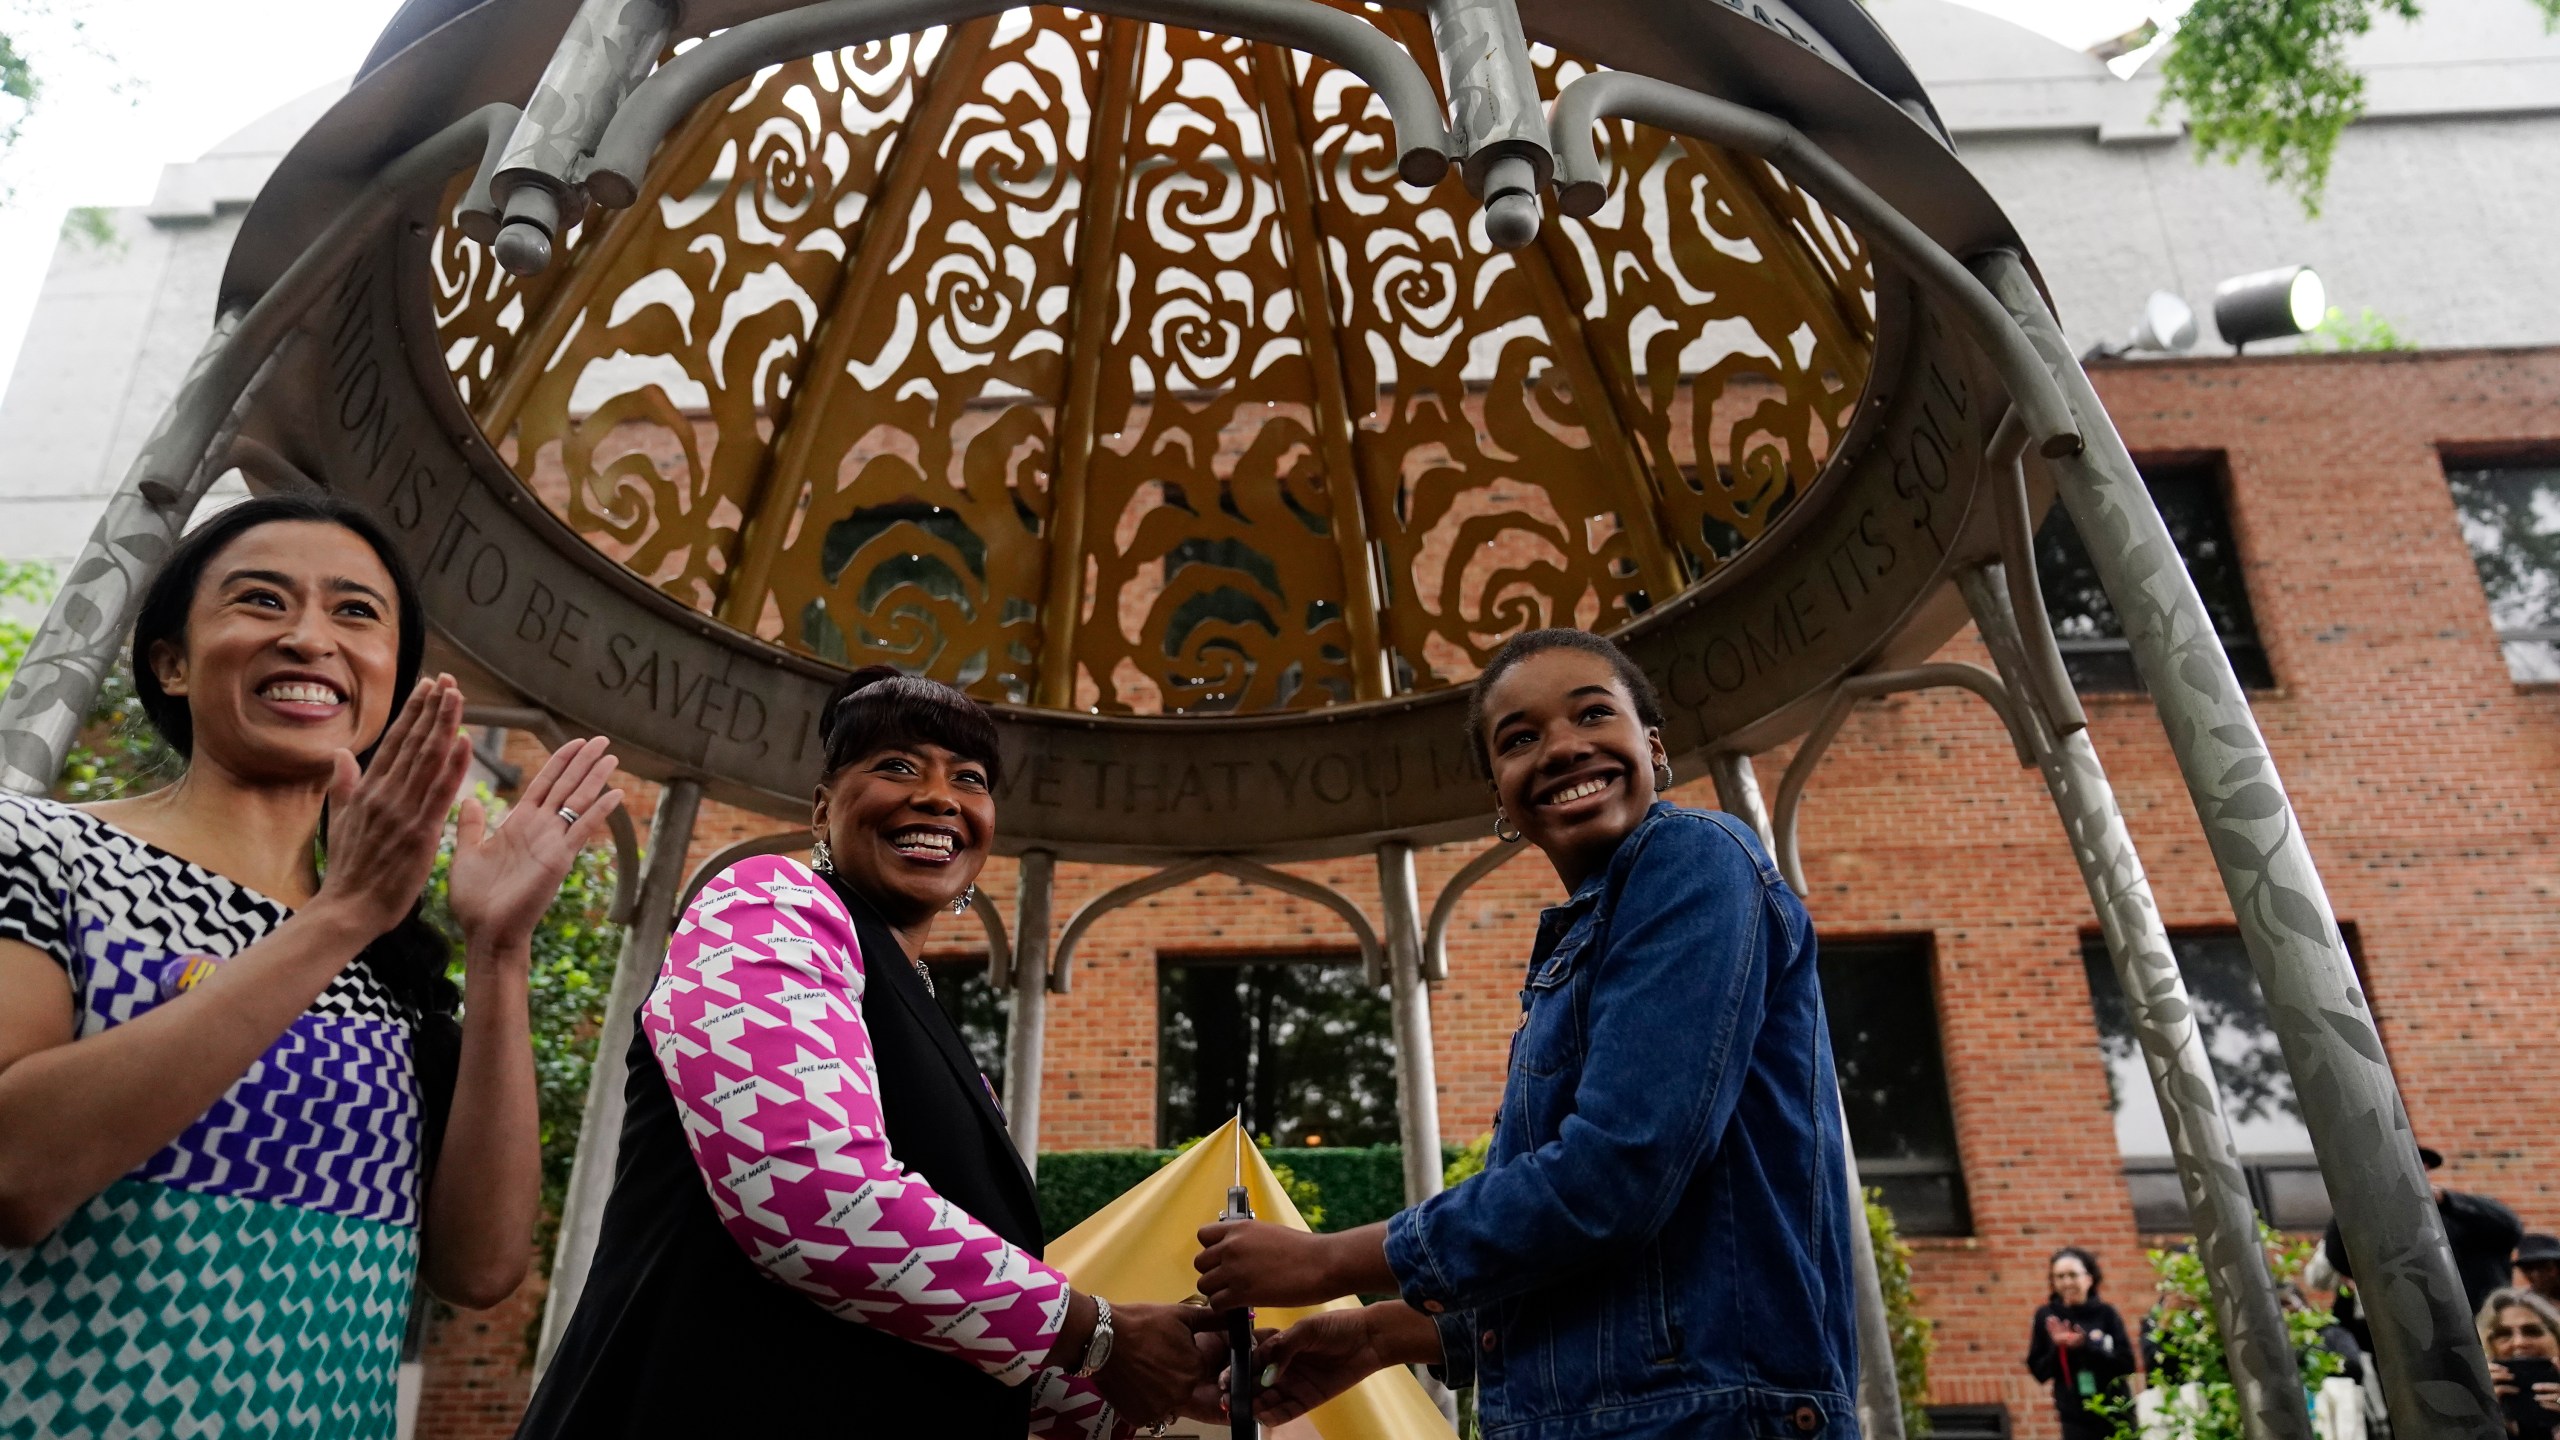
163,617
1537,642
879,707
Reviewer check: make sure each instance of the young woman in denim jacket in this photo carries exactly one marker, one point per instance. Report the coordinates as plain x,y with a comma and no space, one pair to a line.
1659,1243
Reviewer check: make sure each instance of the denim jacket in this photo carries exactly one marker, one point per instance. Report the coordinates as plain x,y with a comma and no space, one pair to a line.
1659,1242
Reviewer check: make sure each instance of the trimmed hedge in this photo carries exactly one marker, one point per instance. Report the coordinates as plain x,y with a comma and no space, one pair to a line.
1357,1184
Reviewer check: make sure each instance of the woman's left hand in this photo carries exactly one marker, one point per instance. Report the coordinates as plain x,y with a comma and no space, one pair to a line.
505,875
2546,1393
1257,1262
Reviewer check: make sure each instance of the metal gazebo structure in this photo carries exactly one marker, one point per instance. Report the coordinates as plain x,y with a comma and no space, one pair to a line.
1210,386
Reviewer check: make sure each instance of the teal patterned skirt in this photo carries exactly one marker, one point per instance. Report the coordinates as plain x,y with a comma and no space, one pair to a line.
156,1311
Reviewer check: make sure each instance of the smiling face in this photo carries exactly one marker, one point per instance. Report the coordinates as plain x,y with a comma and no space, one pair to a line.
2517,1333
909,826
291,652
1572,763
2070,1279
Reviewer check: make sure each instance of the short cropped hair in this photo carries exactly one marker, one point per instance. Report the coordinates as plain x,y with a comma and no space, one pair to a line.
880,706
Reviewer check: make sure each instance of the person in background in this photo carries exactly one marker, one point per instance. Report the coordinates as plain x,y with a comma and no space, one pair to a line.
2518,1325
2538,1265
2078,1345
2481,1233
239,1119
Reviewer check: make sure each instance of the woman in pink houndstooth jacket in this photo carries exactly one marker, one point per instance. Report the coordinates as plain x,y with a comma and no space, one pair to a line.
818,1223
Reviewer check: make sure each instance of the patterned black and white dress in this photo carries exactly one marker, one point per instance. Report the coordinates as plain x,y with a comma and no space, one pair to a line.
251,1279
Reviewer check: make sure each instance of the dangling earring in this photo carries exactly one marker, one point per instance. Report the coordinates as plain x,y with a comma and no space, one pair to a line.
822,859
967,898
1510,836
1661,776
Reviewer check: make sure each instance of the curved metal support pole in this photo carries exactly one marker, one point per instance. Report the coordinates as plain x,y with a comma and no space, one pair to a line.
1062,965
2173,1049
1835,713
2043,680
644,948
666,97
1435,936
1879,1389
626,836
1582,186
530,188
58,680
1409,1010
999,944
2434,1378
1738,794
1026,1036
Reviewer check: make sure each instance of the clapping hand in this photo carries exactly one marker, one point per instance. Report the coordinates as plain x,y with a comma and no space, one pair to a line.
505,875
386,818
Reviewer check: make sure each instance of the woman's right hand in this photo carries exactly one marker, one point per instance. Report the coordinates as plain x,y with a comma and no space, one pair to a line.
1156,1360
386,820
2500,1380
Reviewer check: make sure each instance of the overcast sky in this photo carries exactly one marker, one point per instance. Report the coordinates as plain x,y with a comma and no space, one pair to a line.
192,72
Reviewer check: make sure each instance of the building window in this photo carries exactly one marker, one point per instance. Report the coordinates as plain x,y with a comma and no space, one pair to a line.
2094,648
1303,1046
2257,1091
977,1009
2511,517
1893,1080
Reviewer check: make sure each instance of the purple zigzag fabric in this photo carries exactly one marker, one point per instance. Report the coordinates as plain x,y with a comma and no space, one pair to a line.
757,1023
326,1120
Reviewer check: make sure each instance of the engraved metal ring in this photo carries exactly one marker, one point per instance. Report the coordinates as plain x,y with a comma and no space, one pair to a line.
567,815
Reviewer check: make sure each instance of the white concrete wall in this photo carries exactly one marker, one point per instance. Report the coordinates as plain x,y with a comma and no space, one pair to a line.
2442,227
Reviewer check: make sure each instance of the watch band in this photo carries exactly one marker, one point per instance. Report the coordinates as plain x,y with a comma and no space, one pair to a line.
1097,1346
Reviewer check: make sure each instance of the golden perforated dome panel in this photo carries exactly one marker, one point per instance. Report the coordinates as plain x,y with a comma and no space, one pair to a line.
1094,365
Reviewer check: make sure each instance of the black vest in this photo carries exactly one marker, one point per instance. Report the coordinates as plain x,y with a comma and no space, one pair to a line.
678,1333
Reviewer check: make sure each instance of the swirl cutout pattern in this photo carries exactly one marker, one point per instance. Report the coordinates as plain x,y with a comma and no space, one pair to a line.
822,381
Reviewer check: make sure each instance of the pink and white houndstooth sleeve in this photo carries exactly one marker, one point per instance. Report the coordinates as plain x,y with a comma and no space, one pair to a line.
756,1022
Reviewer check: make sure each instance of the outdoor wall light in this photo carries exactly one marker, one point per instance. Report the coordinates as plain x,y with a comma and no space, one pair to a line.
2269,304
2166,326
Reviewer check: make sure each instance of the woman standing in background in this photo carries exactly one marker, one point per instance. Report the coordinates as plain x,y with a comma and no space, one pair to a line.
2078,1346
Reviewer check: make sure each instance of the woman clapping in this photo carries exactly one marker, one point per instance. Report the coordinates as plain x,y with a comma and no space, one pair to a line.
238,1117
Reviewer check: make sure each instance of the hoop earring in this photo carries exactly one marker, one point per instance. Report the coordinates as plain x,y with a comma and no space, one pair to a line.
1661,776
822,859
967,898
1507,837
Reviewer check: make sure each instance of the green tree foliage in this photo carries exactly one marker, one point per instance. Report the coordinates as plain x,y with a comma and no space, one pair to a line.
2190,1341
24,585
2366,332
1467,1162
2269,80
1915,1336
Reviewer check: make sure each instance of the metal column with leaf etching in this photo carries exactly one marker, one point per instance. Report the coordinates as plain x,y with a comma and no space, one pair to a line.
2173,1050
644,945
1879,1384
2434,1378
1026,1033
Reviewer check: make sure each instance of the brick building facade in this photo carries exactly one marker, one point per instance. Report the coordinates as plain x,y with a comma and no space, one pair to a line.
2427,778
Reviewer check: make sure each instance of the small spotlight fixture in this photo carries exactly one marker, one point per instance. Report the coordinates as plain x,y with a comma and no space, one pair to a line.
2166,326
2269,305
